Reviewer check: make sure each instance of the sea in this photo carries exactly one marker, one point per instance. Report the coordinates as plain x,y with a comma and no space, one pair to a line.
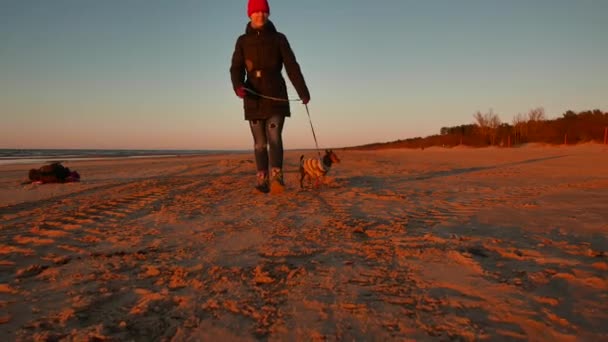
43,156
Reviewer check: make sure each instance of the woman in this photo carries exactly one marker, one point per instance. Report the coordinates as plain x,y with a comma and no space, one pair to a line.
257,61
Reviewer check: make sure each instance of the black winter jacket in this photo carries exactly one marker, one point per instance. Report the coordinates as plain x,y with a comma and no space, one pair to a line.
257,61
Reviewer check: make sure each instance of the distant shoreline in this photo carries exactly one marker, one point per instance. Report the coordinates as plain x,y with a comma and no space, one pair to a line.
41,156
29,156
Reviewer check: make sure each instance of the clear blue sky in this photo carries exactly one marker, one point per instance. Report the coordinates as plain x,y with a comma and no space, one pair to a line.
154,73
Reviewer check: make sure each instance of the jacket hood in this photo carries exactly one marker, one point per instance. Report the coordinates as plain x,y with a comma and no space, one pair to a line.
267,28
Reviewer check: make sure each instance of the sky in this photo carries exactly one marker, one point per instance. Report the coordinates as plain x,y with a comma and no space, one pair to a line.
154,74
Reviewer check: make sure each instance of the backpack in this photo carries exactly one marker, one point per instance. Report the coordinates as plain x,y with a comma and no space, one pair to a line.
52,173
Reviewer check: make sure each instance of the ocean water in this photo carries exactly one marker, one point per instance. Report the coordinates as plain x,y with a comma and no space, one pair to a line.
18,156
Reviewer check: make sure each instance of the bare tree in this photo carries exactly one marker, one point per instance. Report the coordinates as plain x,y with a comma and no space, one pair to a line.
482,123
519,119
488,124
493,123
481,119
520,124
537,114
535,118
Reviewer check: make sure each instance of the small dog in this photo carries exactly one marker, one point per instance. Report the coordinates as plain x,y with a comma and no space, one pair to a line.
316,168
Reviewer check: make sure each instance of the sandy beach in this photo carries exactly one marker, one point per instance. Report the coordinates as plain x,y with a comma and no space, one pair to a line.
433,245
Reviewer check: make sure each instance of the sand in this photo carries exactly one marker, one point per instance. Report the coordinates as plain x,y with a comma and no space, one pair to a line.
441,244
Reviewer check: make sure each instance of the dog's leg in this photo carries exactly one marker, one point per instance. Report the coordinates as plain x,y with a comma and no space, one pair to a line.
302,174
309,180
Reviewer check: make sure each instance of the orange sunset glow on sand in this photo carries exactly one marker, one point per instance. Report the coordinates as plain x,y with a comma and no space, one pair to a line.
397,244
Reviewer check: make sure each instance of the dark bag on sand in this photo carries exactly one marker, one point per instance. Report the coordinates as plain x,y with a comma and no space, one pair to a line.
52,173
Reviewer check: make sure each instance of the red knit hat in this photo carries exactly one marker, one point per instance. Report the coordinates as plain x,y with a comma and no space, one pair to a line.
257,6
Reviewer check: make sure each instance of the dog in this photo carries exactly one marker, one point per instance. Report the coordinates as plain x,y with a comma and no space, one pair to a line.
316,168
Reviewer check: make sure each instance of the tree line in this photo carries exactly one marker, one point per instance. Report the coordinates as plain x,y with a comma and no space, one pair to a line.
531,127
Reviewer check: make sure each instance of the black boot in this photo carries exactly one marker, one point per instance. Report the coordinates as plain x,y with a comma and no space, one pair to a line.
277,185
262,182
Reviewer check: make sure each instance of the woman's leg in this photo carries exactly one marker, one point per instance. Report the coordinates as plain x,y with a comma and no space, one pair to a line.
274,131
260,142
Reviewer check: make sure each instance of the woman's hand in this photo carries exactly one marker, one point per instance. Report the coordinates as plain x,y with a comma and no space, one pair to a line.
240,92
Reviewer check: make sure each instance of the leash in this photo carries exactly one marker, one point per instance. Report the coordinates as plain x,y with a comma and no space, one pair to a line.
288,100
270,97
313,131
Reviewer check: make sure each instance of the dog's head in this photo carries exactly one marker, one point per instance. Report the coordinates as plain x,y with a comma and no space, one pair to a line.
330,157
